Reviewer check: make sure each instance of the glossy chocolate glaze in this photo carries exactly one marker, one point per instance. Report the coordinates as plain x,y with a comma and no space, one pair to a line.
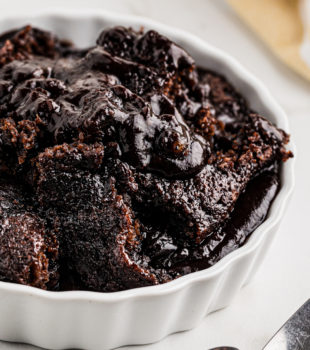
134,166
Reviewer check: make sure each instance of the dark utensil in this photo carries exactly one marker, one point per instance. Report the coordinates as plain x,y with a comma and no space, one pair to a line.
294,334
224,348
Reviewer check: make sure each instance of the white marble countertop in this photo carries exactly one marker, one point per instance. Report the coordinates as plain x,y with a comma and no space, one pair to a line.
283,282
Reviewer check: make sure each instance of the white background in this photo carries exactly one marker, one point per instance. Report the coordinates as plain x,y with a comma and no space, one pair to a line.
283,282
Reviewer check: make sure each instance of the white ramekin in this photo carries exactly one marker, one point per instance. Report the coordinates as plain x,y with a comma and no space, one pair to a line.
93,321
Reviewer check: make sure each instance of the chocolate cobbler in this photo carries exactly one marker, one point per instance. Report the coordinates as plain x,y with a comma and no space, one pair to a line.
124,165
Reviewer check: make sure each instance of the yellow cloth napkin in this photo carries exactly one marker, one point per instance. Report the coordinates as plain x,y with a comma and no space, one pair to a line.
284,25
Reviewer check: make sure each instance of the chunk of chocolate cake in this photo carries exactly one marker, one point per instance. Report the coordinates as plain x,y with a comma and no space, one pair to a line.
129,166
28,250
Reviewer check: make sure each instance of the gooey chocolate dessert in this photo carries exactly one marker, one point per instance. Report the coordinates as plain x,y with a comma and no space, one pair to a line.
124,165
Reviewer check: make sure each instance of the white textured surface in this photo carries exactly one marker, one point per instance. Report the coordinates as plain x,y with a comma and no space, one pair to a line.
283,282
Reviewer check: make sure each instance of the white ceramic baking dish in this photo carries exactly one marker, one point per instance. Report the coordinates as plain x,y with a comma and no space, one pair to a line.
93,321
